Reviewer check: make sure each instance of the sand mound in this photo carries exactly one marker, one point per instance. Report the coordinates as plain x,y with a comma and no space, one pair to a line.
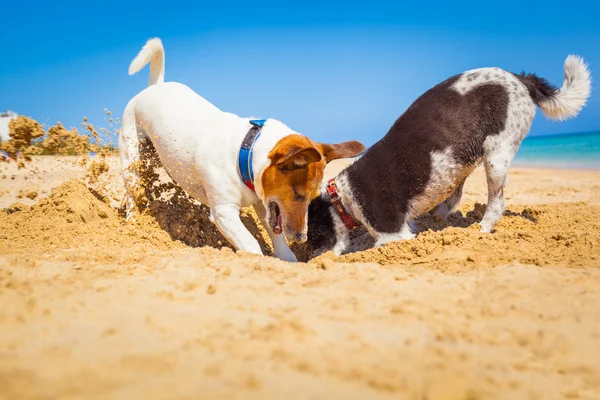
559,235
74,216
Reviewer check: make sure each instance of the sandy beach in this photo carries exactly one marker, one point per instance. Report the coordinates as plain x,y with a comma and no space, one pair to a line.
94,307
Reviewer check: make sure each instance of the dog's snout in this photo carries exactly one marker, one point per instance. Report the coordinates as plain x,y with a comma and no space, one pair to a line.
300,237
295,237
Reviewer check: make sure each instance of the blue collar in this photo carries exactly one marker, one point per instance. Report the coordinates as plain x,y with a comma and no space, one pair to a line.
246,151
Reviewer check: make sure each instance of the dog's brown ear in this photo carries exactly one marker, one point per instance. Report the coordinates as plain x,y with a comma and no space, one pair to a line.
351,148
298,157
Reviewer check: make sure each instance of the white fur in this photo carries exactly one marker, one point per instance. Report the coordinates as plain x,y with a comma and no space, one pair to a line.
342,234
574,92
446,174
153,53
347,199
404,234
476,77
198,145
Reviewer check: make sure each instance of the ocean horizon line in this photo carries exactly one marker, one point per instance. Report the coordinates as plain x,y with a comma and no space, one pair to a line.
553,135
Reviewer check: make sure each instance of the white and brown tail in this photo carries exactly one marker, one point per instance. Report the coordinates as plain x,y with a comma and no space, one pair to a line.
153,53
567,101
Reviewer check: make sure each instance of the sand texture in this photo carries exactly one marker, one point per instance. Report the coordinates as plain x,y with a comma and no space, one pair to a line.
93,307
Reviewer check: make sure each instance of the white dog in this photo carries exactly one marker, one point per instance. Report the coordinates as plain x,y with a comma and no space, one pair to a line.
224,161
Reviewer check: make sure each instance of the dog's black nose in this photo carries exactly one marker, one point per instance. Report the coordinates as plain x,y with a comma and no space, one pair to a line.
300,237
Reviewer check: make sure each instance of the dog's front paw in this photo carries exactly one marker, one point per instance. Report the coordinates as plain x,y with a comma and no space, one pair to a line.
340,249
286,255
486,228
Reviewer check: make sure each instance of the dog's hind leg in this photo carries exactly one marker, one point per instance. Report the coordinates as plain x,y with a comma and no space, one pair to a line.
496,169
129,150
500,150
449,205
138,162
280,247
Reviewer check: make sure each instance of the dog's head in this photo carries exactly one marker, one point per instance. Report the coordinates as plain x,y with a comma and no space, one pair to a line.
321,231
293,179
323,235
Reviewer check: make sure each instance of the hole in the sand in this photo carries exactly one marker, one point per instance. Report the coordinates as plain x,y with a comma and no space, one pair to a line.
177,213
528,214
429,221
361,240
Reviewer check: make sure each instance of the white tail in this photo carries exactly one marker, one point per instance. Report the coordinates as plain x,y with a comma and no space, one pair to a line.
568,101
153,53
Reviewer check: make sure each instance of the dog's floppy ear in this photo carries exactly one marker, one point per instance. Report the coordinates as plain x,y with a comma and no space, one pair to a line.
298,157
348,149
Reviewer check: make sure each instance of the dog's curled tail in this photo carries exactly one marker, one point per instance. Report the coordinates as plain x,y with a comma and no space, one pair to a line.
567,101
153,53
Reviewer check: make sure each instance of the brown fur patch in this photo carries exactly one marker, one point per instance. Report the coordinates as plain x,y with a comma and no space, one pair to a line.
295,174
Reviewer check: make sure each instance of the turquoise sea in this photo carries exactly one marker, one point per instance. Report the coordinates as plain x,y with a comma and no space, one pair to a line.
575,150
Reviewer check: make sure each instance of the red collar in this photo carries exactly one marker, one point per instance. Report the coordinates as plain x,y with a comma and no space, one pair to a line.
345,216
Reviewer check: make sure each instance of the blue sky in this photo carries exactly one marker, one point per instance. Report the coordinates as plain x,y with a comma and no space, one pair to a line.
332,70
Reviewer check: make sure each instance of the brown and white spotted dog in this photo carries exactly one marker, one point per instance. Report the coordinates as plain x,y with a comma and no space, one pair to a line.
478,116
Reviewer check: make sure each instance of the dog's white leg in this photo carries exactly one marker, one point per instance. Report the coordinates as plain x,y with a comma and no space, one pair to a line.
496,169
341,245
129,143
404,234
342,235
227,219
449,205
280,247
